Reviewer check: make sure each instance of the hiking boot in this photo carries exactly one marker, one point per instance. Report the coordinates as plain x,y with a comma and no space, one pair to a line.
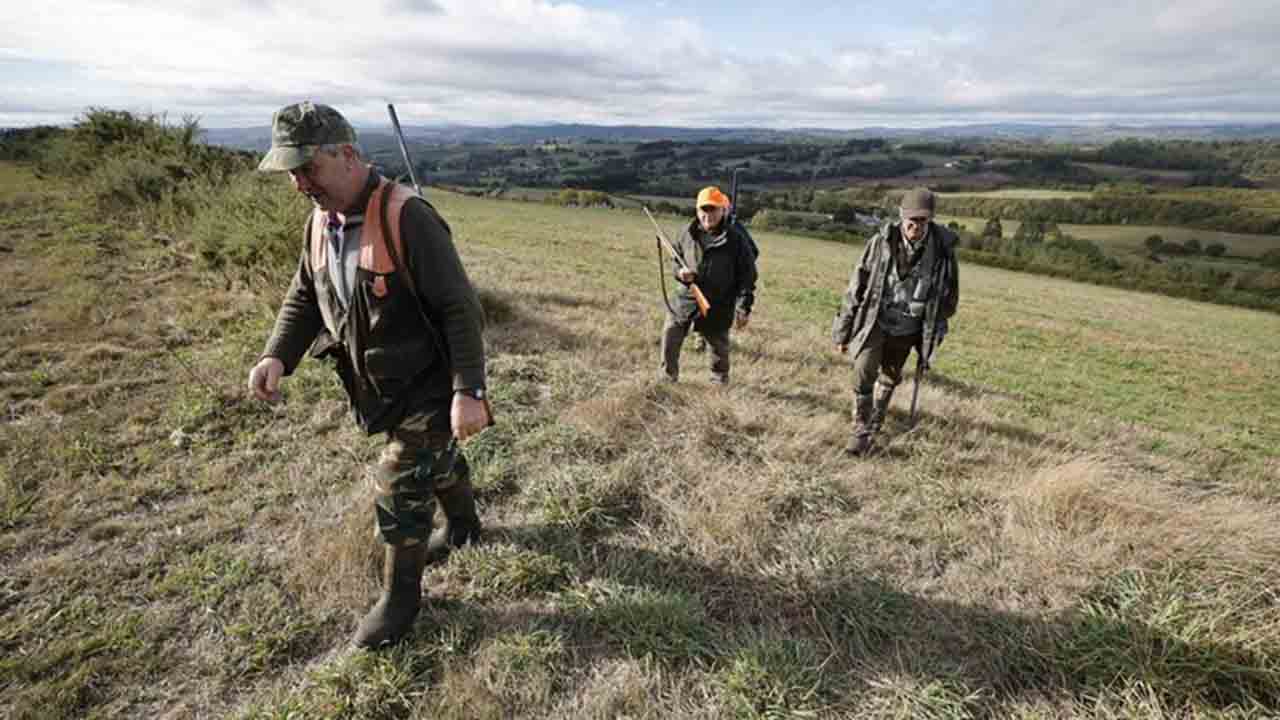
462,523
859,445
391,618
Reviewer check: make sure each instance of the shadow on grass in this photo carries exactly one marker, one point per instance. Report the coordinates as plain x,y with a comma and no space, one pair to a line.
990,657
512,329
896,436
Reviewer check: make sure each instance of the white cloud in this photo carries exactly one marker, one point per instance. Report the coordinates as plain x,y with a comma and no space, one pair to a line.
512,61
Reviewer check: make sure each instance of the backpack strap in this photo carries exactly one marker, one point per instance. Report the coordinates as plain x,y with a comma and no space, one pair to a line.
402,268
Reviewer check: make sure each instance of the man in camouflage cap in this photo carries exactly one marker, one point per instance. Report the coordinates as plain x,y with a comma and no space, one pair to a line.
380,292
900,295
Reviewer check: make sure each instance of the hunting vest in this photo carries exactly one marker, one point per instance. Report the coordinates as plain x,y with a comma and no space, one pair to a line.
375,258
388,353
903,303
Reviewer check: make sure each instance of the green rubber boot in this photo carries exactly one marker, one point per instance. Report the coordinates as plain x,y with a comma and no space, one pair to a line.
462,523
391,618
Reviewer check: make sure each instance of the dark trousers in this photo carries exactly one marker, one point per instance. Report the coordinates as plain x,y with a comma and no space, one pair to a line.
673,335
882,358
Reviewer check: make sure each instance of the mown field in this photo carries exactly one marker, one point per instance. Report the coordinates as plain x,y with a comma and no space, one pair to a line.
1082,525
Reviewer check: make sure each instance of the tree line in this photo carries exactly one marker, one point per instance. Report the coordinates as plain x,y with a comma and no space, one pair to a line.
1118,209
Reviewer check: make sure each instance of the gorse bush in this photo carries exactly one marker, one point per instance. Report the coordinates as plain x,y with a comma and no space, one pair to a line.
130,162
237,219
250,226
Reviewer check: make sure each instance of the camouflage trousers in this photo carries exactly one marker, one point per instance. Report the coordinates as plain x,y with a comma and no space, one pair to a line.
673,335
418,464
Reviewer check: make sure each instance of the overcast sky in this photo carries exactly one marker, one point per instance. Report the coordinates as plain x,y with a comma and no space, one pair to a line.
706,63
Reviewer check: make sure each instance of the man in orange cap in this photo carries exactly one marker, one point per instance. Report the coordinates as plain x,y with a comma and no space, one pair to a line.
720,261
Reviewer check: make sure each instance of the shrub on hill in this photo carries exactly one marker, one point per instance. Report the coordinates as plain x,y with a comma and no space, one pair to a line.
133,162
251,227
570,197
25,144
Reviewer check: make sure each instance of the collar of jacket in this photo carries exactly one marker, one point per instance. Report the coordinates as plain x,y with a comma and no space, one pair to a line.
706,239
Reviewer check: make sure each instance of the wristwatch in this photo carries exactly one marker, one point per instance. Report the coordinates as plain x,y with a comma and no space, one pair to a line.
474,393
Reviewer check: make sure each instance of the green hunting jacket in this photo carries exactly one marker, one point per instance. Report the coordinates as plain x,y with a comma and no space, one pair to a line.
860,308
391,359
726,273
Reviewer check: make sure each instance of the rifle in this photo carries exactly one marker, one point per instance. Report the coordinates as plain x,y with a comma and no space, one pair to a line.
404,149
733,198
703,306
732,218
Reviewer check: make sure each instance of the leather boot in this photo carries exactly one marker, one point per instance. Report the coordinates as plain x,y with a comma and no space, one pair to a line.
860,441
462,523
392,617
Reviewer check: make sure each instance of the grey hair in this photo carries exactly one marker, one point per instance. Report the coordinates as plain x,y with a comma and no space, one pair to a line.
335,149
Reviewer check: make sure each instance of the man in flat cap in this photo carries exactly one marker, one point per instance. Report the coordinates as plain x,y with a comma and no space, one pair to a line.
721,262
380,293
901,293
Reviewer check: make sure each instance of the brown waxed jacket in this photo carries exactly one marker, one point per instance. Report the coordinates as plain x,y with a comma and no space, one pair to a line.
861,305
390,358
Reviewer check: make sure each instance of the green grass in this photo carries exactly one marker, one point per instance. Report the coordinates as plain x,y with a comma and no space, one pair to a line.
1081,525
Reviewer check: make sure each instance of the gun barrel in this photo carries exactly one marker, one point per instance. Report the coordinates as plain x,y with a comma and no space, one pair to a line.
404,149
662,237
733,196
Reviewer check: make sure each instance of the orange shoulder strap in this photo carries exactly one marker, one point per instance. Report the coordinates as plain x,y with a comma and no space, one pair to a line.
382,226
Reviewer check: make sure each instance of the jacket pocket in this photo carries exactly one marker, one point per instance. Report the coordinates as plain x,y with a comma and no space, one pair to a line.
392,370
325,345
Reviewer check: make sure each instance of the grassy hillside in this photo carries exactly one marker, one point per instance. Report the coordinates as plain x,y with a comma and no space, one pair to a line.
1083,524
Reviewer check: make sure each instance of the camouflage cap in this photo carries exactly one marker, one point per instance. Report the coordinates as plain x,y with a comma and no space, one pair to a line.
298,129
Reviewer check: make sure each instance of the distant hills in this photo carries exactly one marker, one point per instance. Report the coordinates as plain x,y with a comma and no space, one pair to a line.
259,138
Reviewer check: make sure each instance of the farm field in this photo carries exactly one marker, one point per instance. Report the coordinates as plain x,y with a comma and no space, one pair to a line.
1059,537
1131,237
1022,194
